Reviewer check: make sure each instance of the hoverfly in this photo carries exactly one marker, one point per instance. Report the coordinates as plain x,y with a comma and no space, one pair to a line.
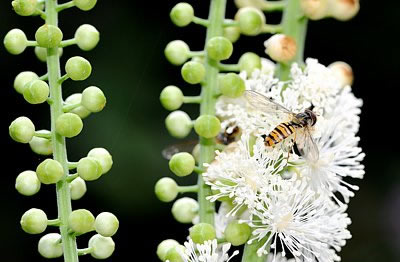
299,123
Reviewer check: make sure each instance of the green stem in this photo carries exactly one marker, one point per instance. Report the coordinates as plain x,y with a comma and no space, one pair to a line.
196,53
68,42
274,5
71,177
32,43
188,189
58,141
272,29
229,68
65,6
42,135
201,21
69,107
230,22
44,77
192,99
54,222
63,78
85,251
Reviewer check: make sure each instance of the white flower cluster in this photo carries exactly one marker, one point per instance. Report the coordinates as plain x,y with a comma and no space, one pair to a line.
293,204
209,251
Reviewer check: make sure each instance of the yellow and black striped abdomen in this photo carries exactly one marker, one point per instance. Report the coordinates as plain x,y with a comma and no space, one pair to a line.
280,133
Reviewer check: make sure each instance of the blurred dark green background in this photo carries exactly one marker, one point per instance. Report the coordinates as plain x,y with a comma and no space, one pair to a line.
129,66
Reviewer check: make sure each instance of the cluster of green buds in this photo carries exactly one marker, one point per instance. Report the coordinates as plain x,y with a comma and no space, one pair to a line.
66,122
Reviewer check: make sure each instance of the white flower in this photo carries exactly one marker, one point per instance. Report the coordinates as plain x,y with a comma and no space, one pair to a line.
222,219
279,258
207,252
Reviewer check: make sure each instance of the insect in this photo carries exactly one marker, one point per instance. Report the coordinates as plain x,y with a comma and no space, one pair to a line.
299,124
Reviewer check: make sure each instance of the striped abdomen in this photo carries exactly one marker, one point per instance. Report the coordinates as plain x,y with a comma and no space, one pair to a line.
280,133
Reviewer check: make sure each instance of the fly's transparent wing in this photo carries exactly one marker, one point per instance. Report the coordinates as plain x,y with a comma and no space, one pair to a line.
171,150
306,145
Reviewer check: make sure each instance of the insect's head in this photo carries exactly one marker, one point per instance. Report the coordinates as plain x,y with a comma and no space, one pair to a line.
311,117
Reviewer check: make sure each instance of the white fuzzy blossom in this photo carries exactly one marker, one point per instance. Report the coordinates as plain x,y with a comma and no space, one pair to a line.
279,258
209,251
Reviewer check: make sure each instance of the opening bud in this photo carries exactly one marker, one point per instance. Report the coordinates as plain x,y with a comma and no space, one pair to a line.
249,62
104,158
22,79
89,168
193,72
49,36
27,183
93,99
171,98
40,145
343,72
41,53
81,111
178,124
177,52
103,247
185,209
315,9
50,246
182,164
77,188
164,247
232,33
182,14
281,48
81,221
344,9
69,125
106,224
87,37
85,5
232,85
15,41
24,7
34,221
237,234
78,68
49,171
219,48
207,126
36,92
174,254
166,189
22,130
251,20
202,232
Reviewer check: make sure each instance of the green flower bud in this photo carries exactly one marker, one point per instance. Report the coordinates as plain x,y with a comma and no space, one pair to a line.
232,85
15,41
69,125
103,247
173,255
40,7
182,164
237,234
41,53
78,68
34,221
171,98
27,183
166,189
251,20
49,171
193,72
185,209
85,5
249,62
344,10
36,92
207,126
315,9
77,188
232,33
49,36
182,14
178,124
106,224
24,7
89,168
202,232
81,221
22,130
93,99
81,111
87,37
219,48
177,52
50,246
164,247
22,79
104,158
40,145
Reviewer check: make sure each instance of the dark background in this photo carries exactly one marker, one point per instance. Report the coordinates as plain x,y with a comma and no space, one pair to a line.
130,67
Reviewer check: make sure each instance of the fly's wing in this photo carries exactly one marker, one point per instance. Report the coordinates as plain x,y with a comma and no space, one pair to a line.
306,145
171,150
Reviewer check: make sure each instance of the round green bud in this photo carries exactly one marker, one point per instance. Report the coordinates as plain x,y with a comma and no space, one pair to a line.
104,158
40,145
27,183
182,14
177,52
207,126
50,246
34,221
106,224
22,130
41,53
166,189
78,68
93,99
69,125
249,62
182,164
232,85
22,79
251,20
178,124
202,232
193,72
81,111
89,168
219,48
77,188
49,171
87,37
185,209
15,41
85,5
81,221
103,247
36,92
164,247
174,254
48,36
232,33
171,98
24,7
237,234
